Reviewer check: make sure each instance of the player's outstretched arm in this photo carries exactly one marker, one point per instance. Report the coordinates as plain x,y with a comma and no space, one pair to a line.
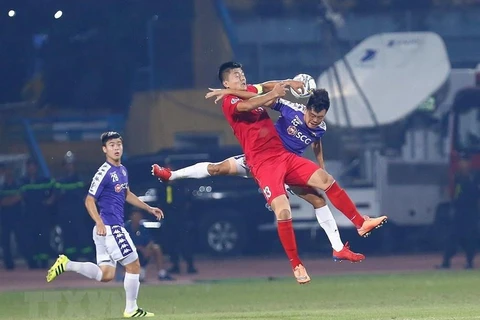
220,93
261,88
266,99
134,201
269,85
318,152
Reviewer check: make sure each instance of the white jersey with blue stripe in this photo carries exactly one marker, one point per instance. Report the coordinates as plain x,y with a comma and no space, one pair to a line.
296,136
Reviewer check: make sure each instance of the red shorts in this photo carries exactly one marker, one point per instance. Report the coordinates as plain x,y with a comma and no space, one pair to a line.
285,168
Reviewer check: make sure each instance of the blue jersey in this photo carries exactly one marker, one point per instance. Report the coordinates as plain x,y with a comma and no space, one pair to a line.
109,187
296,136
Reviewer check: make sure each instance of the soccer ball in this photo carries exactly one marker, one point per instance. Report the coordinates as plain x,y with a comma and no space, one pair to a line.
308,86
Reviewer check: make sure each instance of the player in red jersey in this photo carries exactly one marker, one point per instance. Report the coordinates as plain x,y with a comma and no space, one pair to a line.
271,164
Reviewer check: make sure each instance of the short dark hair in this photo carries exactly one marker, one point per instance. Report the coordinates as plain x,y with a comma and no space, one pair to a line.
110,135
225,68
318,101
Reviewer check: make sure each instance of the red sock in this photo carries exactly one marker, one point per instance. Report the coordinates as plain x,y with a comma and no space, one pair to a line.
342,202
287,238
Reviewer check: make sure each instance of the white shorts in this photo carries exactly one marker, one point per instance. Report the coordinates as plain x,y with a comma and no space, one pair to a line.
115,246
242,167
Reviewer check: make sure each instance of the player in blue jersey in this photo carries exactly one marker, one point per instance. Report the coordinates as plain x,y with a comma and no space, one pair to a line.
299,126
105,203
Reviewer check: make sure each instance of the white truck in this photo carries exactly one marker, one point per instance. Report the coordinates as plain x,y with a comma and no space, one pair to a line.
398,79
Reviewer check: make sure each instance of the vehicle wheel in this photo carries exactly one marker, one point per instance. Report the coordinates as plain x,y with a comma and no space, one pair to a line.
223,234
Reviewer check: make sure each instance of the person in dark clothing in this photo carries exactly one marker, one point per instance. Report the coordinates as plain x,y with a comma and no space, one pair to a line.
179,228
10,215
147,249
72,217
37,195
465,207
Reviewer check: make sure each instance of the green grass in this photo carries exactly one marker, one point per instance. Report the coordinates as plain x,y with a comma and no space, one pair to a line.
432,295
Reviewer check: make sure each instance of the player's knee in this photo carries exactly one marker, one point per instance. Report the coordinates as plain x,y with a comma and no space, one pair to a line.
133,267
283,214
218,169
321,179
108,274
281,207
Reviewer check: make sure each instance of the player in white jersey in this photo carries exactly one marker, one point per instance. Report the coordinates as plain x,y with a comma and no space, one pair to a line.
108,191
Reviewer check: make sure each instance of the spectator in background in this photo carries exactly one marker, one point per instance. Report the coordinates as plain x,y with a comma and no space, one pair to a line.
70,191
179,228
10,215
37,194
147,249
464,223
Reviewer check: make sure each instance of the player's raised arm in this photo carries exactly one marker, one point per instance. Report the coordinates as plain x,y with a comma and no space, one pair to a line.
263,100
318,152
220,93
269,85
135,201
264,87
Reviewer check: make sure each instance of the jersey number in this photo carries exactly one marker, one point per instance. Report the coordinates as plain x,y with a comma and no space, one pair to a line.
267,193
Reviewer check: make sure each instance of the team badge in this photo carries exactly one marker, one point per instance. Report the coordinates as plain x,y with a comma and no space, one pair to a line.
292,130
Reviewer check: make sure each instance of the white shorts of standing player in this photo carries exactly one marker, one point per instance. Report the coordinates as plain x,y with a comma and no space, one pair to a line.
115,246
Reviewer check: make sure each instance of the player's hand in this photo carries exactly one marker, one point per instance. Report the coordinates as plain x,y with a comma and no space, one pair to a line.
280,89
296,85
101,229
217,93
158,213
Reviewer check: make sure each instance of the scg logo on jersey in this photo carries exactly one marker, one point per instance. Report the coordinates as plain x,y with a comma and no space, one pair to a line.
293,131
119,187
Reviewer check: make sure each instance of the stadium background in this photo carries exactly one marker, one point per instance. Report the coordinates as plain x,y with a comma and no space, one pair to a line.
143,67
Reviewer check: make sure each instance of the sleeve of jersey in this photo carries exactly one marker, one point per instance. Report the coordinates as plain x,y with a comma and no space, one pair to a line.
230,102
230,105
279,105
98,183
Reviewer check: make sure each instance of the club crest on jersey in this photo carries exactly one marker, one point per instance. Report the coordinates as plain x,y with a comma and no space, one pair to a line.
234,100
292,130
124,172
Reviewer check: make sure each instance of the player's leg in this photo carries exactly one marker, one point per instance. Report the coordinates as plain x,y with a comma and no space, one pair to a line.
304,172
103,271
281,207
329,225
271,181
143,259
131,282
201,170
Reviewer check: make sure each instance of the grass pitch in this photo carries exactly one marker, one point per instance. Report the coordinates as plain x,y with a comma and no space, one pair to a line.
432,295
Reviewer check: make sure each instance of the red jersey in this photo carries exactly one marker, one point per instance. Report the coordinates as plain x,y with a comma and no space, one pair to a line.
254,130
